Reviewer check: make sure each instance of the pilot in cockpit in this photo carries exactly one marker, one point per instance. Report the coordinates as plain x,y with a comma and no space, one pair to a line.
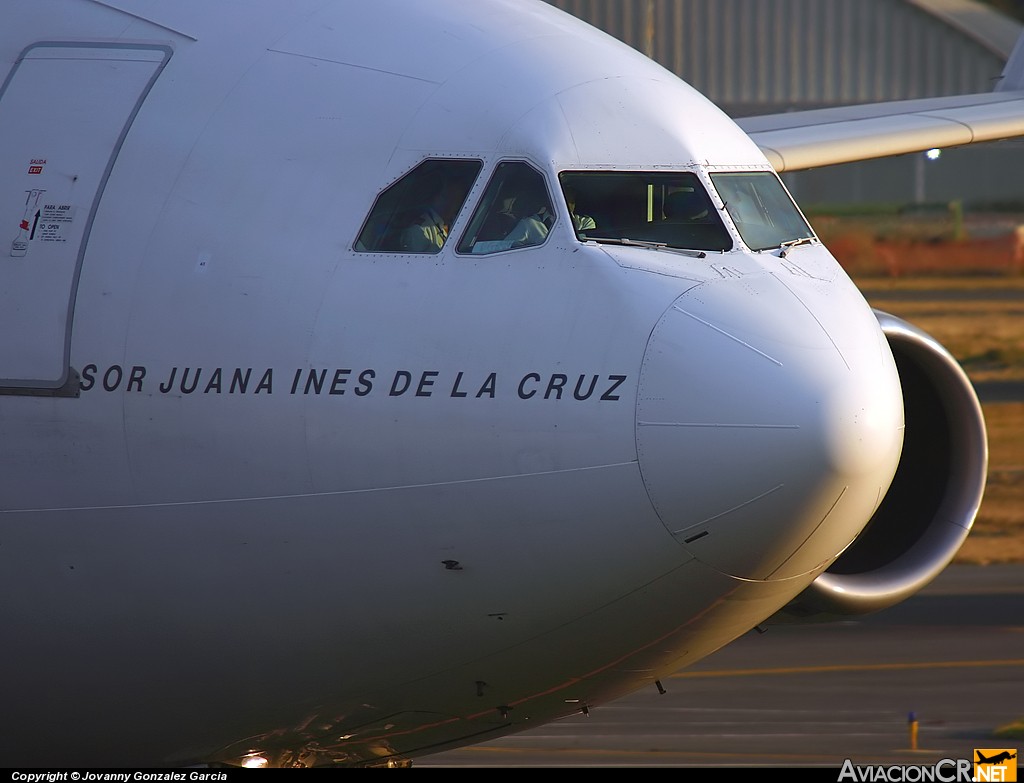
579,222
501,221
429,230
534,207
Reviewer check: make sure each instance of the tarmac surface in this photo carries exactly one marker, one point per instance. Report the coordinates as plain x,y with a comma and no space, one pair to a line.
930,679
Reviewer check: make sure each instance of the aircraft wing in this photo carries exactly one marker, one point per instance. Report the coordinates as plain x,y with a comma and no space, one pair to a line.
821,137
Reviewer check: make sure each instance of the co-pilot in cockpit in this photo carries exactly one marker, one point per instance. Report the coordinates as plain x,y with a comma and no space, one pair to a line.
515,211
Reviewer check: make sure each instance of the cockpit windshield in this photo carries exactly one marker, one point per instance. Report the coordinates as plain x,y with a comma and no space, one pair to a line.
763,212
670,209
664,209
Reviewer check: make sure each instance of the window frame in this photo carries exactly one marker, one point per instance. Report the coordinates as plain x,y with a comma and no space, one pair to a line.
397,206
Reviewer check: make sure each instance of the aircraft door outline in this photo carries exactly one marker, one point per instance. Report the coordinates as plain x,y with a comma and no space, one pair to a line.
65,110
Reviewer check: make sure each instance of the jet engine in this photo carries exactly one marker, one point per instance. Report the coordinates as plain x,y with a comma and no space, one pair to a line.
934,497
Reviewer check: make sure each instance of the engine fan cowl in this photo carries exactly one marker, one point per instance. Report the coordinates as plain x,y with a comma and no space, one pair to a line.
934,497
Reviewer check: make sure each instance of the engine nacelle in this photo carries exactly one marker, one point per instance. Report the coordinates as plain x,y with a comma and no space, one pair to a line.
934,497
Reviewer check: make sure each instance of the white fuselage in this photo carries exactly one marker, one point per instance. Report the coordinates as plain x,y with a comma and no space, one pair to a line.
307,494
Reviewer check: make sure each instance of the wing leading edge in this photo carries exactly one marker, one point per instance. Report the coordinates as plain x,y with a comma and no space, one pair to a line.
822,137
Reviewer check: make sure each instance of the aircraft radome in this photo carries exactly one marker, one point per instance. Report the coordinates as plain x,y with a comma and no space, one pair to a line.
300,470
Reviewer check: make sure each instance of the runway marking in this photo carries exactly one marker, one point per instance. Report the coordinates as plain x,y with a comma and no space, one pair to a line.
849,667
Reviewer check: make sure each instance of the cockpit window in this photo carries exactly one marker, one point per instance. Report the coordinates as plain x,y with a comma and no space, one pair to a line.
415,214
665,208
515,211
763,212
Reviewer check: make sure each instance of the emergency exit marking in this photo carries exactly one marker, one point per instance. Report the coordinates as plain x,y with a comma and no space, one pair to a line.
53,220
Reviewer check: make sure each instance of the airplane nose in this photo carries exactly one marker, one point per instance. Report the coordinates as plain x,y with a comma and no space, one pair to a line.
769,422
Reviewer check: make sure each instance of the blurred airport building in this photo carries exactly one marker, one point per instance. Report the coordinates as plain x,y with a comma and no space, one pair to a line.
768,56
